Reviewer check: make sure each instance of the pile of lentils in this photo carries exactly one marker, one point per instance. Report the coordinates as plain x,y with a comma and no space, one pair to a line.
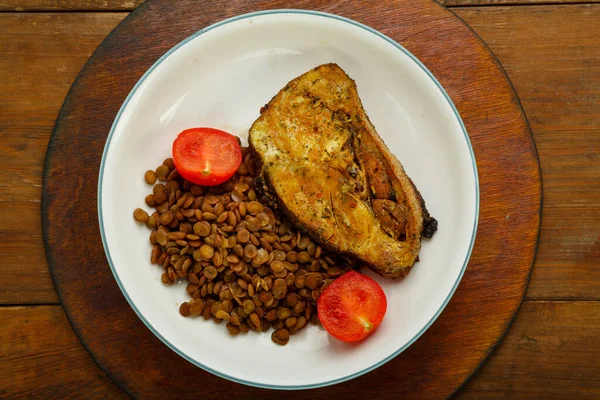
243,263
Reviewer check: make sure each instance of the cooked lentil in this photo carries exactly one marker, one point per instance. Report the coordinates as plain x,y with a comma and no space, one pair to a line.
244,264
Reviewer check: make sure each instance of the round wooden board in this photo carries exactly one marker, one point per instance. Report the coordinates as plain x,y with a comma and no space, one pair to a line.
491,290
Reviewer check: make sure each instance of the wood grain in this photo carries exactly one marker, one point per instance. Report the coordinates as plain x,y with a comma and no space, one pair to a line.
23,257
40,357
69,5
454,3
485,301
128,5
550,353
558,82
40,56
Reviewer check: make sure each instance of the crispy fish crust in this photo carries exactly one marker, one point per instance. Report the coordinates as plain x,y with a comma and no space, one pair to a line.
323,165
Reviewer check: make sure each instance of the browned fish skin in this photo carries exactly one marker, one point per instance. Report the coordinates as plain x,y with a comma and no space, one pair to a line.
325,167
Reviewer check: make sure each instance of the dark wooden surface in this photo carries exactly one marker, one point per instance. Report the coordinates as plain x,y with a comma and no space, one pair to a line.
118,5
552,56
480,311
71,5
451,3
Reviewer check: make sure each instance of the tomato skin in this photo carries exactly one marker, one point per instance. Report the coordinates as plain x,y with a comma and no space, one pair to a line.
352,307
206,156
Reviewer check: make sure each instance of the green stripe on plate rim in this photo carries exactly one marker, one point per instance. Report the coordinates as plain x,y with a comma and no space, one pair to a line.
318,14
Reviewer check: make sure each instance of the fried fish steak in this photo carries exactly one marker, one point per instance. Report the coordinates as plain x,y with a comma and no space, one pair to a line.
323,165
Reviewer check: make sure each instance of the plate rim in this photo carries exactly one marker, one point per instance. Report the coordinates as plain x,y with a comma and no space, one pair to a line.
310,13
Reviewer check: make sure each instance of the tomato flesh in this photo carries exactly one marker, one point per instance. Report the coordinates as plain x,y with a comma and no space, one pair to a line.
206,156
352,307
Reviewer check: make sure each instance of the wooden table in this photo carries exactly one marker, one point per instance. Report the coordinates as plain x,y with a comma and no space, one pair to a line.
551,52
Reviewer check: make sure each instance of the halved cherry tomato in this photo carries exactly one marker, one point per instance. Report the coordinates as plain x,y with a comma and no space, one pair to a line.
352,307
206,156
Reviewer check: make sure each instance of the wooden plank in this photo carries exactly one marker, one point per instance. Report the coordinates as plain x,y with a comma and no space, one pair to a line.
40,56
69,5
40,357
455,3
27,278
552,56
551,352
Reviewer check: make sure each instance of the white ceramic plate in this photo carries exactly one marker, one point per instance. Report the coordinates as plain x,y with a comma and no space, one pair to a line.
220,77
